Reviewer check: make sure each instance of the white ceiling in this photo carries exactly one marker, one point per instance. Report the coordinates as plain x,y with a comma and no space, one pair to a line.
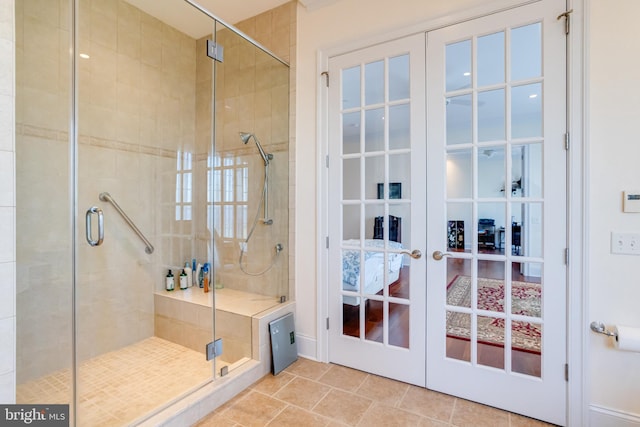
181,15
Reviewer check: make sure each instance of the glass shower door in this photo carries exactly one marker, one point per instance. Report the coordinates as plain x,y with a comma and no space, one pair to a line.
141,201
44,279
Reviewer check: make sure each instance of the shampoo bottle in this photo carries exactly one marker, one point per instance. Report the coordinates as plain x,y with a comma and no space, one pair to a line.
205,278
198,275
183,280
189,272
169,282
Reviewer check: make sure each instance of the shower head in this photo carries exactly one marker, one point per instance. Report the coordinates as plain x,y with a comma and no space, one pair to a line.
246,136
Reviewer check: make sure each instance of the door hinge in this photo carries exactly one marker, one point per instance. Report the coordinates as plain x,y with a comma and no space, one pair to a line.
326,75
326,161
215,51
566,372
567,141
214,349
326,241
567,20
327,323
566,256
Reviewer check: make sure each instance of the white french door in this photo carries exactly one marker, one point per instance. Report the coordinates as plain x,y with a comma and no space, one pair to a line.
496,300
377,222
462,159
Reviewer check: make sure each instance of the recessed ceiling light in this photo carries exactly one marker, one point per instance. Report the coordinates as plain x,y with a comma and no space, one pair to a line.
533,95
467,74
84,56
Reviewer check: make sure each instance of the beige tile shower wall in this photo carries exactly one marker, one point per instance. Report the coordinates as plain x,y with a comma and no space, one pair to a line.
7,205
253,94
137,101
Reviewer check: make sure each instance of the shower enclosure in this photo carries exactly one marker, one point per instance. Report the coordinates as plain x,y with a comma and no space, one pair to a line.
129,164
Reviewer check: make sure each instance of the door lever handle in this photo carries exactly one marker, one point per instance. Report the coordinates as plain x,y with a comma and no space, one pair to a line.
415,254
437,255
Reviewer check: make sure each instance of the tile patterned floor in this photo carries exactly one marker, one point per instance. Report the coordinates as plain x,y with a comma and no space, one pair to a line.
313,394
118,387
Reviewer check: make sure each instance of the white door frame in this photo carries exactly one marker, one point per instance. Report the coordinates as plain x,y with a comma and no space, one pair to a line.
577,281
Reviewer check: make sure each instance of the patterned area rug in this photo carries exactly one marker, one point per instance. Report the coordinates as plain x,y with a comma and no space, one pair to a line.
525,300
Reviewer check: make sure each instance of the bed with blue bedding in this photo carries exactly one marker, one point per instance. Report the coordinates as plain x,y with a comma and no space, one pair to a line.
372,276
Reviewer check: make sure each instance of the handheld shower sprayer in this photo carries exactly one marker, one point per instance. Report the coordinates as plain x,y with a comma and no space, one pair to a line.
264,201
246,136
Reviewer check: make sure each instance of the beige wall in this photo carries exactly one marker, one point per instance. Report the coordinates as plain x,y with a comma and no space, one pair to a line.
614,108
7,204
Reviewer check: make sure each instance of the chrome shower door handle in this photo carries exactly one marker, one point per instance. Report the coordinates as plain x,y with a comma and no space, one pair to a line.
95,210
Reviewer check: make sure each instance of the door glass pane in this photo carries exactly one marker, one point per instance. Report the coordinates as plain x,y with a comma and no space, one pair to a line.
351,133
459,120
399,126
490,348
351,271
526,289
351,87
375,225
458,335
526,229
490,295
526,170
374,83
374,130
351,223
400,227
350,316
399,325
459,230
374,175
399,78
400,173
491,167
491,59
526,111
458,65
459,174
372,272
351,179
526,350
491,115
526,52
491,218
459,282
374,320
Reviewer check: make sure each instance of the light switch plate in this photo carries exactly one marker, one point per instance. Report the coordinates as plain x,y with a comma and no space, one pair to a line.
625,243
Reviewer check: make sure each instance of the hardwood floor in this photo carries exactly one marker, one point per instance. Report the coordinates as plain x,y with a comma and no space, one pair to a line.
524,362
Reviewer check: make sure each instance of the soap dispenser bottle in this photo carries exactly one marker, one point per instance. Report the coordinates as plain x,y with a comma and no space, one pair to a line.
189,272
183,280
169,282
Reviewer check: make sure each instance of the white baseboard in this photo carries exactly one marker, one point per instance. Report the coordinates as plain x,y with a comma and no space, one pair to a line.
306,347
605,417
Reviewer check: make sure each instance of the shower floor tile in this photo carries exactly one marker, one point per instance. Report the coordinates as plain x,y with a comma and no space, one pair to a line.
119,387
